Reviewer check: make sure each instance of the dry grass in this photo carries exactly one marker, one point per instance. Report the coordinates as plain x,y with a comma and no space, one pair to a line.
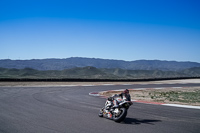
185,96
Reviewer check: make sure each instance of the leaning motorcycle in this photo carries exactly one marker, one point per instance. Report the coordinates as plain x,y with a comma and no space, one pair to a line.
118,113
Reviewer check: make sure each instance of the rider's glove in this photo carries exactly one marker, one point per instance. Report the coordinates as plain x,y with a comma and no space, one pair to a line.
110,98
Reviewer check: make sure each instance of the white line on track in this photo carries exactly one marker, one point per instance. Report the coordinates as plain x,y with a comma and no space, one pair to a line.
177,87
87,85
69,85
158,88
183,106
94,94
107,84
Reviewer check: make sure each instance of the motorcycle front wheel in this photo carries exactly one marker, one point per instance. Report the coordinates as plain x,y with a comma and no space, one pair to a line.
121,116
101,113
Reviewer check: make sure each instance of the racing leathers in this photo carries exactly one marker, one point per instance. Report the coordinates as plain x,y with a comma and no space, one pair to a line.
124,96
113,103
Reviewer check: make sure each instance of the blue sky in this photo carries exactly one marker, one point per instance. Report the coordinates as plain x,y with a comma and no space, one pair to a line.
109,29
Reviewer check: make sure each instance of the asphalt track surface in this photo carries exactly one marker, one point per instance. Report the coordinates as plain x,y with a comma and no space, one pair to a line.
71,110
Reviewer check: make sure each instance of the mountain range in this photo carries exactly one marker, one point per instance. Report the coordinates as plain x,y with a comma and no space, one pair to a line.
73,62
95,73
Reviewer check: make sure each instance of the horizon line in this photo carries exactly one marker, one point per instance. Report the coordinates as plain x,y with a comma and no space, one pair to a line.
102,59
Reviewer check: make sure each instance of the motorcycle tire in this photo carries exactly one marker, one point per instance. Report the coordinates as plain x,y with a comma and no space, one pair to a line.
122,116
100,113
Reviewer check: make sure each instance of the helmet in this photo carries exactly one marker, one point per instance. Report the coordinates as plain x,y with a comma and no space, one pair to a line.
126,91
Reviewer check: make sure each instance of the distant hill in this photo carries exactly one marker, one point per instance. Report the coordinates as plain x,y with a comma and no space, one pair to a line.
83,73
195,71
95,73
61,64
143,74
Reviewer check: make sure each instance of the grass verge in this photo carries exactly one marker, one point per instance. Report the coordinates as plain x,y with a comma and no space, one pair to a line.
185,96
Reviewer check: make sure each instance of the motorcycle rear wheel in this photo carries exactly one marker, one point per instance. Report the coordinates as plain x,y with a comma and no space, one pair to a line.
120,117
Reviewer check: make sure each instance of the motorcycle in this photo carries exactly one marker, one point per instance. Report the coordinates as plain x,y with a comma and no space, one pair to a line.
117,113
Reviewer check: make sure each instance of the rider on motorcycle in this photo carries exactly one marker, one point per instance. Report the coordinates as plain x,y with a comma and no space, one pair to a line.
125,95
112,102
